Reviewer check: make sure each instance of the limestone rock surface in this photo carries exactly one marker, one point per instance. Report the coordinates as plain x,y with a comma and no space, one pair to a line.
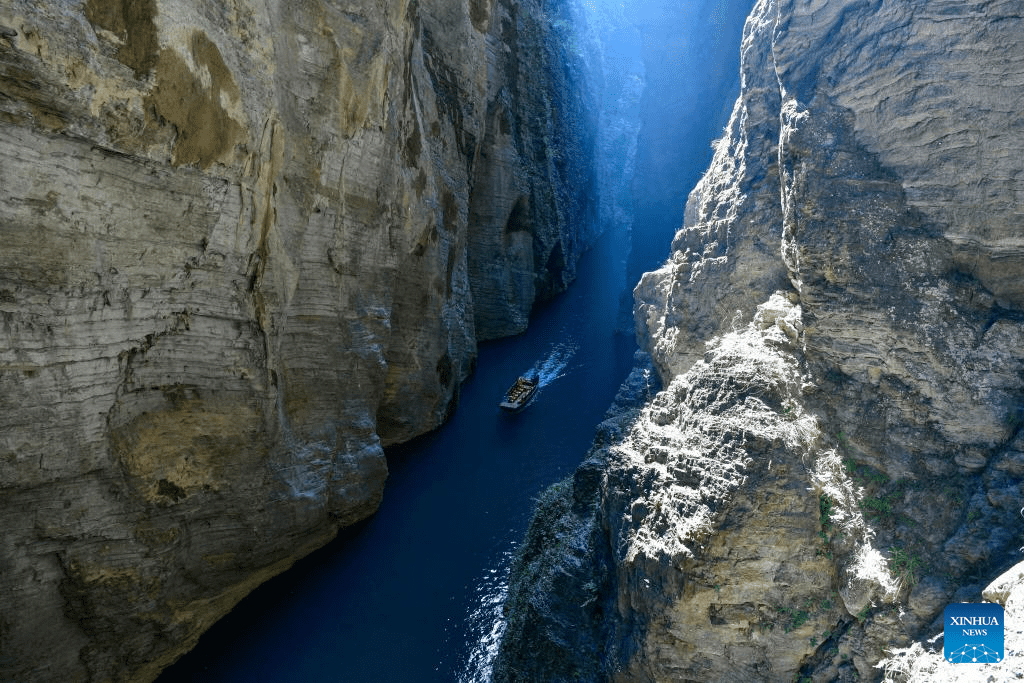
243,246
836,456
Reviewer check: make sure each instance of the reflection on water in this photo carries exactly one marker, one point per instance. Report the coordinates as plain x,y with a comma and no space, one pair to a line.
486,623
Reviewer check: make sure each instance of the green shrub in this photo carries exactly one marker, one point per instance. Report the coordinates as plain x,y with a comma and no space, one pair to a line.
905,565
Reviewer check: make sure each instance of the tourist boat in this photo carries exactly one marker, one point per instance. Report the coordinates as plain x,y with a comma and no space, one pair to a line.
519,394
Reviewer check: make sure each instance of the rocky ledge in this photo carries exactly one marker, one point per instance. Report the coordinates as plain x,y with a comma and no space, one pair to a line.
838,453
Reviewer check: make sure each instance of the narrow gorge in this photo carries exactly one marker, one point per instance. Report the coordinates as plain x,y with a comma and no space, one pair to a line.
251,254
245,246
837,452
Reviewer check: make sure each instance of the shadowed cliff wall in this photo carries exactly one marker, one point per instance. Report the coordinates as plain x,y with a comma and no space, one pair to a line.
244,245
691,69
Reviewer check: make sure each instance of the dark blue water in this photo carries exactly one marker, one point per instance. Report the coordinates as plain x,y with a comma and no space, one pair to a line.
414,593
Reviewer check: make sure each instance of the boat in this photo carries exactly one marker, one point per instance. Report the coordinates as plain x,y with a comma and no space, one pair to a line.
519,394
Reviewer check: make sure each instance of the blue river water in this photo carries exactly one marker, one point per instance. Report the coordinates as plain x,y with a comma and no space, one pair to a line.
414,594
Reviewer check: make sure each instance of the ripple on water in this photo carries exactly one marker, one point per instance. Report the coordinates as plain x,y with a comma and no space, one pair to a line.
553,365
486,622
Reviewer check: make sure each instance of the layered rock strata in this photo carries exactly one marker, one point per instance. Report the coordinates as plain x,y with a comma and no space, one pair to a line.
244,245
838,452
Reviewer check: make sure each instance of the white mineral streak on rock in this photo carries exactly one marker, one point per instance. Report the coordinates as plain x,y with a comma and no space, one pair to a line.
865,578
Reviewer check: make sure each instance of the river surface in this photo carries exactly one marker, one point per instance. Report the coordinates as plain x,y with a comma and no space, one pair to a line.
414,594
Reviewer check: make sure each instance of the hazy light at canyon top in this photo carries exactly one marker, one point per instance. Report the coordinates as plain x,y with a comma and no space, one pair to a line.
670,77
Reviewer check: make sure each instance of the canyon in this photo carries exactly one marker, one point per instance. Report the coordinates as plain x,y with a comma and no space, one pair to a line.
837,452
245,247
248,246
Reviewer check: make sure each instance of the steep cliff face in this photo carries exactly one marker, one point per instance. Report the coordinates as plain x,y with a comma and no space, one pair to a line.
838,452
244,245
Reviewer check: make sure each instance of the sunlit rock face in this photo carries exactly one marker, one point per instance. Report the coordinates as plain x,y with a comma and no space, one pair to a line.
838,452
244,245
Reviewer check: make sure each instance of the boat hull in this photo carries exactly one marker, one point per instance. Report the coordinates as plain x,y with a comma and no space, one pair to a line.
519,395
